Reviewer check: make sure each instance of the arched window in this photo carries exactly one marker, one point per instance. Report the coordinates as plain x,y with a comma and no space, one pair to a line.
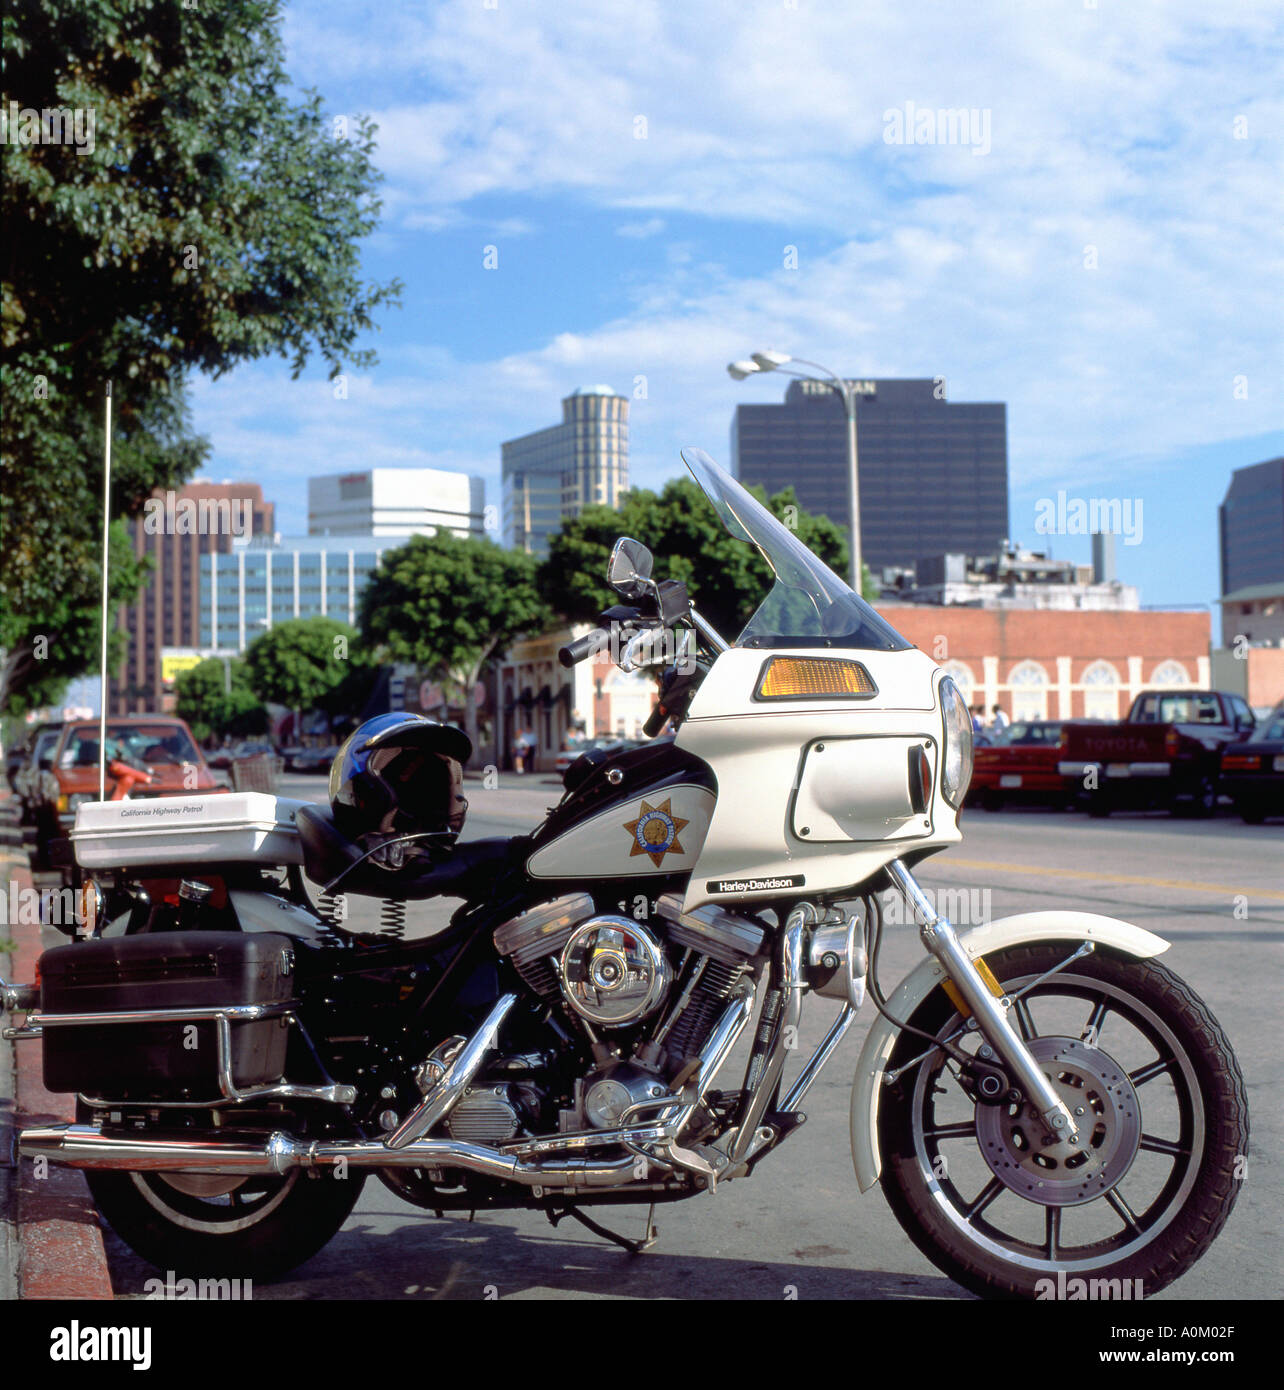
1170,673
1029,685
1101,691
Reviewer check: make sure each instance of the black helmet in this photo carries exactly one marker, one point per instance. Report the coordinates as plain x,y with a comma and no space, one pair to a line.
400,774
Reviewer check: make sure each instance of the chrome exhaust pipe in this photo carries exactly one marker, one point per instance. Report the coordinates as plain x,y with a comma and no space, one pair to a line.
85,1146
449,1090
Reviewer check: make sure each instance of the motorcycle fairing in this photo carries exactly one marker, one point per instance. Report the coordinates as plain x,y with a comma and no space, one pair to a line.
761,753
1019,930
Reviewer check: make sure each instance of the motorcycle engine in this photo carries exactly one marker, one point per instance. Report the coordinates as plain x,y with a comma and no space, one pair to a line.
614,972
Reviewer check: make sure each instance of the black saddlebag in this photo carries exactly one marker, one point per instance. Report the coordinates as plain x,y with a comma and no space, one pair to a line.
172,1060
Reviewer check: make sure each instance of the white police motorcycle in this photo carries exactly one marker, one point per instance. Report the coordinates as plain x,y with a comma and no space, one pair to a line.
1040,1099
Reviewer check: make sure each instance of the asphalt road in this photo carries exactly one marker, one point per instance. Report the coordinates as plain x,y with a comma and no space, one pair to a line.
1214,889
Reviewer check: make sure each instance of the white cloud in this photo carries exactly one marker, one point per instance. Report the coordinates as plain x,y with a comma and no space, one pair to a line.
1109,267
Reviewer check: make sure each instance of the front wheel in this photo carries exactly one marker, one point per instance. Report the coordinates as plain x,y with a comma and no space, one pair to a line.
1159,1097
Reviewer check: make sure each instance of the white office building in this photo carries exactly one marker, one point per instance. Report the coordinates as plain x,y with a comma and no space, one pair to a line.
271,580
396,502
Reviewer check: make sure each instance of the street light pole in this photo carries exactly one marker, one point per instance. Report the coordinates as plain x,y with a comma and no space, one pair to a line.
782,362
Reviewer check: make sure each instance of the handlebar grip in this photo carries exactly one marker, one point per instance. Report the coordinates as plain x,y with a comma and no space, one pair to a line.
582,647
655,721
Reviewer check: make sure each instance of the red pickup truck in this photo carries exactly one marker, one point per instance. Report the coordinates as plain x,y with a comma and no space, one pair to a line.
1166,753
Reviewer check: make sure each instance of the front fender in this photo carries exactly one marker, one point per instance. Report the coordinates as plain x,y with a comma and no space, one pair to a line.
1021,930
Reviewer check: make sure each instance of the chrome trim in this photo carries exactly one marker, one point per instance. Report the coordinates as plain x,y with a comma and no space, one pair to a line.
447,1093
237,1013
85,1146
229,1092
18,998
708,632
1076,769
940,938
17,1034
791,984
818,1059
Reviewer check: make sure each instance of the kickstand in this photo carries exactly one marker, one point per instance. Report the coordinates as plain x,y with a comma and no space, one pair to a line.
634,1247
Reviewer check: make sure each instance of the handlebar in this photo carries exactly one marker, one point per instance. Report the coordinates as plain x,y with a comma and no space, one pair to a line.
584,647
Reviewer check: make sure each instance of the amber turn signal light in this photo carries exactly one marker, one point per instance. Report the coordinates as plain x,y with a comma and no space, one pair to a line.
812,678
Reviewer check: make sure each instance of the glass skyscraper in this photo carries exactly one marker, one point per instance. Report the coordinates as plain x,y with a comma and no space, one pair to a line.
933,473
557,472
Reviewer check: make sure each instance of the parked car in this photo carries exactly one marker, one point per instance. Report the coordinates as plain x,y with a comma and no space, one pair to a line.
1166,753
316,759
22,767
159,747
1253,771
569,755
1020,765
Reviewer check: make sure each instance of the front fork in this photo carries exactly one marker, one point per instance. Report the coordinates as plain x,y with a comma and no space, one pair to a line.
991,1014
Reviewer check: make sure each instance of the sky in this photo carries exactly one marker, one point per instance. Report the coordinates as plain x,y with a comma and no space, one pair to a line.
668,186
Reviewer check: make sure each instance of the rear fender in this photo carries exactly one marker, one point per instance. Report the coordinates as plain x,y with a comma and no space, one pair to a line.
1023,929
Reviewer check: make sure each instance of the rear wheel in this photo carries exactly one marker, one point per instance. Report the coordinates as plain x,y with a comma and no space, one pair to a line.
1155,1087
215,1224
1251,812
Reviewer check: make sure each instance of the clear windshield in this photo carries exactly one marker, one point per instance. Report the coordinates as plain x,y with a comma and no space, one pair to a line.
808,605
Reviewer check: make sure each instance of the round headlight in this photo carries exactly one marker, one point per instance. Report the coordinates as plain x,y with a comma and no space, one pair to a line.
956,769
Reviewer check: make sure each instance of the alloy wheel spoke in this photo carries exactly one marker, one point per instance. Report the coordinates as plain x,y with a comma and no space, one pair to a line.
1092,1029
1123,1210
1025,1020
987,1195
1163,1146
1151,1070
961,1129
1052,1232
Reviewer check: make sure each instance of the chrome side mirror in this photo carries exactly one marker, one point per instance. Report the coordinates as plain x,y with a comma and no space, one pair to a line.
629,571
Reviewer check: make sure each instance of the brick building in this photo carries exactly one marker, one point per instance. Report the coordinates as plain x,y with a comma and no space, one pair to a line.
176,530
1058,665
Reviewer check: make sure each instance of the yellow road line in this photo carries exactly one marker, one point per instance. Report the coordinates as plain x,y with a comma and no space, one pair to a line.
1092,876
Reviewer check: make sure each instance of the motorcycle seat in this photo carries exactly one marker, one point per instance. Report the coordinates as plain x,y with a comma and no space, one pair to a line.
327,853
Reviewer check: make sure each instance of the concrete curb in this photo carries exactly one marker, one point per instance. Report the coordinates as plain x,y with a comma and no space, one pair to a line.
60,1243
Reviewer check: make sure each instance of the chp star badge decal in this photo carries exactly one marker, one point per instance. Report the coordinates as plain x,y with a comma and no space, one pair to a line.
655,832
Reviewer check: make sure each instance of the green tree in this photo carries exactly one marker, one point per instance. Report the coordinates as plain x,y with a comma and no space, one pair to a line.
450,605
726,578
206,218
298,663
217,700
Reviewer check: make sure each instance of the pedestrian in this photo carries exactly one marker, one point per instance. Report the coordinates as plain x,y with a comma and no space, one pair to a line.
978,718
1001,720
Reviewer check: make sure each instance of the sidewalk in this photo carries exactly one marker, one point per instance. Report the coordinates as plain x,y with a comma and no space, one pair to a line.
59,1244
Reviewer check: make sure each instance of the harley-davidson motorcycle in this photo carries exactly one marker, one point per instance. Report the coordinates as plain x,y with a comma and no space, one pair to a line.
1039,1098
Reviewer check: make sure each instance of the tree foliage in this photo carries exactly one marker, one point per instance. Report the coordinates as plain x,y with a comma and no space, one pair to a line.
299,662
211,708
450,605
726,578
206,218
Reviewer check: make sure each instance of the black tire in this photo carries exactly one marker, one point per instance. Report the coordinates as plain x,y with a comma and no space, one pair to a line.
992,801
296,1215
1251,812
1202,802
1098,805
1201,1091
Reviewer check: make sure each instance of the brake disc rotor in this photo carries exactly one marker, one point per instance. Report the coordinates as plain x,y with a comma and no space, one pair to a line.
1015,1143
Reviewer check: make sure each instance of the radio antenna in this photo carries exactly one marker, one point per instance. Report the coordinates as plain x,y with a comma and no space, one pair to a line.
102,713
